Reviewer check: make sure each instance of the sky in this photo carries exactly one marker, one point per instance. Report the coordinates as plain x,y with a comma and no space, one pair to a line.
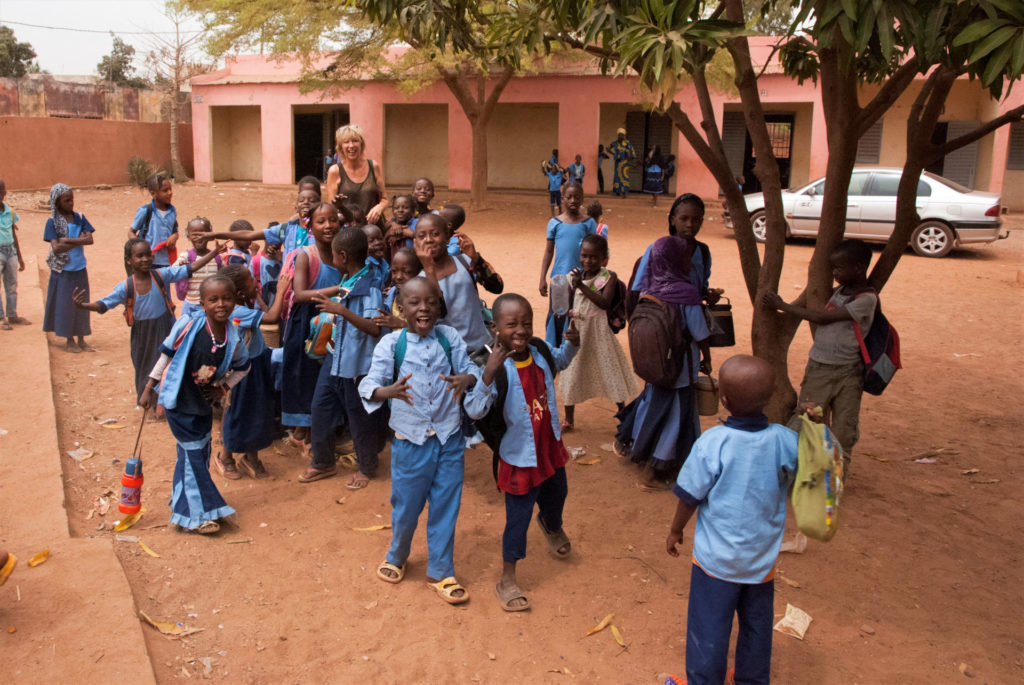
77,52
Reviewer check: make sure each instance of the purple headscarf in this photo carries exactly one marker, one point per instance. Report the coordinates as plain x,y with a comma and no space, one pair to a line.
667,276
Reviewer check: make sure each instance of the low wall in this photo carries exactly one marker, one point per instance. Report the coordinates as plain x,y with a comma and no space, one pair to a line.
40,151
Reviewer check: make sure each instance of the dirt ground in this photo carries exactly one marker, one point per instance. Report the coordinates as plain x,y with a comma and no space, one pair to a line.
922,582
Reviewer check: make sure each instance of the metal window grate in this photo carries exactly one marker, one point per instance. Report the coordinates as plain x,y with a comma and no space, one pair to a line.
1015,154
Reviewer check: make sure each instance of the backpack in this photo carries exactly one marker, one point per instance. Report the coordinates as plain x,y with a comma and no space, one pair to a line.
880,349
172,252
288,267
819,481
181,287
659,343
616,311
492,425
320,341
129,298
469,427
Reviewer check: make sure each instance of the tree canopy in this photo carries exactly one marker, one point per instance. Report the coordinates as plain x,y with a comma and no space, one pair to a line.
16,59
119,67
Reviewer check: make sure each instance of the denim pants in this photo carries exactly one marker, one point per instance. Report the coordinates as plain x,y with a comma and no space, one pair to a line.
549,496
336,402
9,275
709,624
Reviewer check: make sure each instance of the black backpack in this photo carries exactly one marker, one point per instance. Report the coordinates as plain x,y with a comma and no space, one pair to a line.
492,425
659,343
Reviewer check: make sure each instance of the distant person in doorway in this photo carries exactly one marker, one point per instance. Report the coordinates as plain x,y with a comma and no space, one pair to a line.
355,177
577,170
622,154
601,156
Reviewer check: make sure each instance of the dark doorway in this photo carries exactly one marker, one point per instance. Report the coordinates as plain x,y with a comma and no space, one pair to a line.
309,142
780,130
646,130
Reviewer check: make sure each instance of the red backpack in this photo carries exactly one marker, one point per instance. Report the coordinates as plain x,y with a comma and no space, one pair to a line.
288,268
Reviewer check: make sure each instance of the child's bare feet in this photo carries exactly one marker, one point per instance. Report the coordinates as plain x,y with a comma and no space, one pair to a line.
71,347
84,346
251,464
358,481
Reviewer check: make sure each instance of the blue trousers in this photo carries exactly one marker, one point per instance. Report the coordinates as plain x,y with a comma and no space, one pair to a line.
431,472
553,329
194,496
549,496
335,401
709,624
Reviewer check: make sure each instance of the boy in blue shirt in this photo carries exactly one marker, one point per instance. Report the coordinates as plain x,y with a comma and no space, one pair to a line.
11,262
157,222
423,370
737,477
556,177
577,170
336,395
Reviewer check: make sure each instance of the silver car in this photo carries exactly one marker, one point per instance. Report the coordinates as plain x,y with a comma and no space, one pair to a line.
951,215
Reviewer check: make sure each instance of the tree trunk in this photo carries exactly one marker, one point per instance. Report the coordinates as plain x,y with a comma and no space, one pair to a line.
177,170
478,174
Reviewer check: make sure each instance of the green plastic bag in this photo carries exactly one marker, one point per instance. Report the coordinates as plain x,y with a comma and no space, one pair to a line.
819,481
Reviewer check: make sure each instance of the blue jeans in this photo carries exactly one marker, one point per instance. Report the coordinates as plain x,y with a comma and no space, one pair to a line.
549,496
709,623
9,275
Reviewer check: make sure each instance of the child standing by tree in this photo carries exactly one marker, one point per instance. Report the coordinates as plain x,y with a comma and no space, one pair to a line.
203,358
157,222
423,370
565,235
736,477
146,297
67,232
601,368
531,468
188,291
336,397
834,377
11,261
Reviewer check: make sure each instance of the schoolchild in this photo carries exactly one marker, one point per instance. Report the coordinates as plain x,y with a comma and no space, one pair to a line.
376,259
157,221
834,376
197,231
290,235
423,370
577,170
68,232
200,361
596,212
238,253
565,234
423,193
314,273
336,397
556,178
601,368
736,479
532,458
266,269
399,229
455,215
11,262
146,298
404,266
248,424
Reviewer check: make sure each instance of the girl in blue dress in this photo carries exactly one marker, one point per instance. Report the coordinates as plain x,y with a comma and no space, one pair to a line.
67,232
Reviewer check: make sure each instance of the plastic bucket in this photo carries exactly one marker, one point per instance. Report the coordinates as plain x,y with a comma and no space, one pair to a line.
707,396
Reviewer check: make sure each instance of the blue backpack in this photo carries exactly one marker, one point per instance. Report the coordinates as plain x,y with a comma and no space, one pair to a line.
402,344
880,349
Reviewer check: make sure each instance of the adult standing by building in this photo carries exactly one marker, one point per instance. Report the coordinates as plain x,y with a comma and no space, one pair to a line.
356,177
622,154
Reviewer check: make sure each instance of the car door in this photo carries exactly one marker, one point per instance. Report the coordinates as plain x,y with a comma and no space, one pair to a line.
859,181
806,210
878,206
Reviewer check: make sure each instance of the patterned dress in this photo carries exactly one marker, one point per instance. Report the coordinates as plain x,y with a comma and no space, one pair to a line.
622,154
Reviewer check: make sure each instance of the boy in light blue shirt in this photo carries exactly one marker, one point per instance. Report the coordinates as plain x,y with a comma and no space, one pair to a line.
737,477
11,262
336,396
423,370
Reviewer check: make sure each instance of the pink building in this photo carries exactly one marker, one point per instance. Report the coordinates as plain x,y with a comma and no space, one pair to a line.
250,122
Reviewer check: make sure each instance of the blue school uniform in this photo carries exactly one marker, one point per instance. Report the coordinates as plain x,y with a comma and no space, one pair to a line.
380,272
336,397
194,496
266,272
162,225
236,256
298,372
61,316
427,451
249,420
289,236
568,239
152,320
463,302
576,172
555,180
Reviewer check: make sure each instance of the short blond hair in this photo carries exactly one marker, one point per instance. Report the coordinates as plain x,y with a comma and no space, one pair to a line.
348,132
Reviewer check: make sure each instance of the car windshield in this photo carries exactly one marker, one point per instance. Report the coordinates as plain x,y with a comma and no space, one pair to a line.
946,182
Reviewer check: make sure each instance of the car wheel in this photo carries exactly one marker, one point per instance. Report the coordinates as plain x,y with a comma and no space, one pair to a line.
759,224
932,239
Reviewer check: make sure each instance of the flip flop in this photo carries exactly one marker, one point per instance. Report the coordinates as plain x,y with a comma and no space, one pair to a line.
207,528
7,568
557,539
566,427
228,470
387,565
349,461
5,326
310,474
255,470
301,444
506,598
357,483
446,588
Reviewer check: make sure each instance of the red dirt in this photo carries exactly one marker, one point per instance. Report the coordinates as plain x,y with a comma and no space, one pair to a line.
924,575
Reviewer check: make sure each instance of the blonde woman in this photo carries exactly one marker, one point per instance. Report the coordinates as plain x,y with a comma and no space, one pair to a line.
356,177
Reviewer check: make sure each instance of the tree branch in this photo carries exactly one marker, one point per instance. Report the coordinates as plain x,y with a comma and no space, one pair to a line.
1015,114
886,95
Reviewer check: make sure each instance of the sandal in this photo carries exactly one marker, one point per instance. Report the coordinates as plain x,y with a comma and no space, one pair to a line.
19,320
349,461
559,541
566,427
507,597
301,444
399,572
310,474
226,468
6,326
447,588
7,568
254,469
207,528
358,481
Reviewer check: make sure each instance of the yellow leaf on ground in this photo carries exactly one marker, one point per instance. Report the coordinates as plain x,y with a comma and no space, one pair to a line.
128,521
618,637
147,550
39,558
588,462
113,426
382,526
602,625
167,628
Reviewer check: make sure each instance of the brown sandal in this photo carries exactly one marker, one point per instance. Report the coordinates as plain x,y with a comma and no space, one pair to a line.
310,474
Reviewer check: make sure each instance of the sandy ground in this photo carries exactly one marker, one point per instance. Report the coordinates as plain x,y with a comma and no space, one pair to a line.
924,575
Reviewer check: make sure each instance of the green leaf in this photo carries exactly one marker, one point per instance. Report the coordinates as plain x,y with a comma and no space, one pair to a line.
996,63
978,30
850,8
1017,63
1015,8
991,42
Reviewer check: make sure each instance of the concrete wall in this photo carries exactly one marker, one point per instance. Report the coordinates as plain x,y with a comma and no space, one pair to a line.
237,144
40,151
45,95
415,145
519,138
